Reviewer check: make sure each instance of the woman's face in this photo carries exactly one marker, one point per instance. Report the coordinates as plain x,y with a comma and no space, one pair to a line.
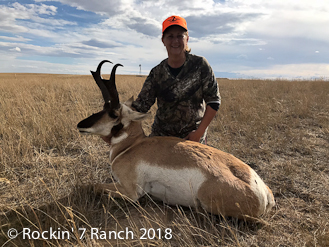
175,40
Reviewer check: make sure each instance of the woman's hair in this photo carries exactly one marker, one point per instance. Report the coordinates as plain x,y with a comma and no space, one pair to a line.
188,49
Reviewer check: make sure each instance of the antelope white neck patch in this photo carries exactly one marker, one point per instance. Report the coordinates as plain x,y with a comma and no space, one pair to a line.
120,138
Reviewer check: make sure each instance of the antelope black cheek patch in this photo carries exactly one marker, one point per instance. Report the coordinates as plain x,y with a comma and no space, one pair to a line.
90,121
112,115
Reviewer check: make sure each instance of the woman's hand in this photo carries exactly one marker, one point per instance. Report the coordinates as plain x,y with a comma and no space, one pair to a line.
195,136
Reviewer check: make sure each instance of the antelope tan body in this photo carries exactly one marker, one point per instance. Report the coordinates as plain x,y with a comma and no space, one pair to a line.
174,170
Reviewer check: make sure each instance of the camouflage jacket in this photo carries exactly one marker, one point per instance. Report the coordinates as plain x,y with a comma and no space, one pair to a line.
181,99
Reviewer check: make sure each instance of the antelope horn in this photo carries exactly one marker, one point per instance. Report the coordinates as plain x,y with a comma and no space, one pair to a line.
101,82
112,89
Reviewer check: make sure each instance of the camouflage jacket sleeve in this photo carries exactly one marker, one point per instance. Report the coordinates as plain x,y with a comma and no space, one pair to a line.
147,95
210,85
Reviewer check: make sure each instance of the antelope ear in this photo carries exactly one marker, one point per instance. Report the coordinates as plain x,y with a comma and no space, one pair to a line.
129,114
137,116
129,102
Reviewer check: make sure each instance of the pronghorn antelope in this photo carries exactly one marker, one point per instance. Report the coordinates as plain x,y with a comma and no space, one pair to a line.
174,170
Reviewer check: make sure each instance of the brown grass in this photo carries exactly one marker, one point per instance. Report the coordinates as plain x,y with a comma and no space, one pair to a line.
47,169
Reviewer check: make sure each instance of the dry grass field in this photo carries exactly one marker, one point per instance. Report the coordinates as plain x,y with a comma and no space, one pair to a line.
47,169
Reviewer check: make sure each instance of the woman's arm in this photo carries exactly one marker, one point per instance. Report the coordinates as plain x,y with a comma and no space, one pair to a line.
207,118
147,95
211,97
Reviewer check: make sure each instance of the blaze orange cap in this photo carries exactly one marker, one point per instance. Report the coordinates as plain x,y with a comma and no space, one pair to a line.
174,20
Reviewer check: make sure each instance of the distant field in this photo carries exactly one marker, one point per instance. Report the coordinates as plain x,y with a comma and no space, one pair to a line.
47,169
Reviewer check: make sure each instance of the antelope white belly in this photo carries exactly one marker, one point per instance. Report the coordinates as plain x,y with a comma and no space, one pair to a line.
173,186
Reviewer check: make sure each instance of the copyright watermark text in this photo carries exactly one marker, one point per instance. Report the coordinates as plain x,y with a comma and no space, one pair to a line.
94,233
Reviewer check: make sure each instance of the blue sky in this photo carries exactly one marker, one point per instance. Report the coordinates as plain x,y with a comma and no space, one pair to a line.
239,38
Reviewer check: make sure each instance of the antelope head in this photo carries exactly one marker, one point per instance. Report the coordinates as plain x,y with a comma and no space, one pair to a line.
103,122
114,116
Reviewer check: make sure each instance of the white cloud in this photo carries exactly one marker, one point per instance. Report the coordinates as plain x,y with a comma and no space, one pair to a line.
11,15
27,11
15,49
289,71
302,19
99,6
243,56
33,9
16,38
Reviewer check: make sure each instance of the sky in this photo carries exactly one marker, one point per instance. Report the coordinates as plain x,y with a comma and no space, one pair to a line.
239,38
